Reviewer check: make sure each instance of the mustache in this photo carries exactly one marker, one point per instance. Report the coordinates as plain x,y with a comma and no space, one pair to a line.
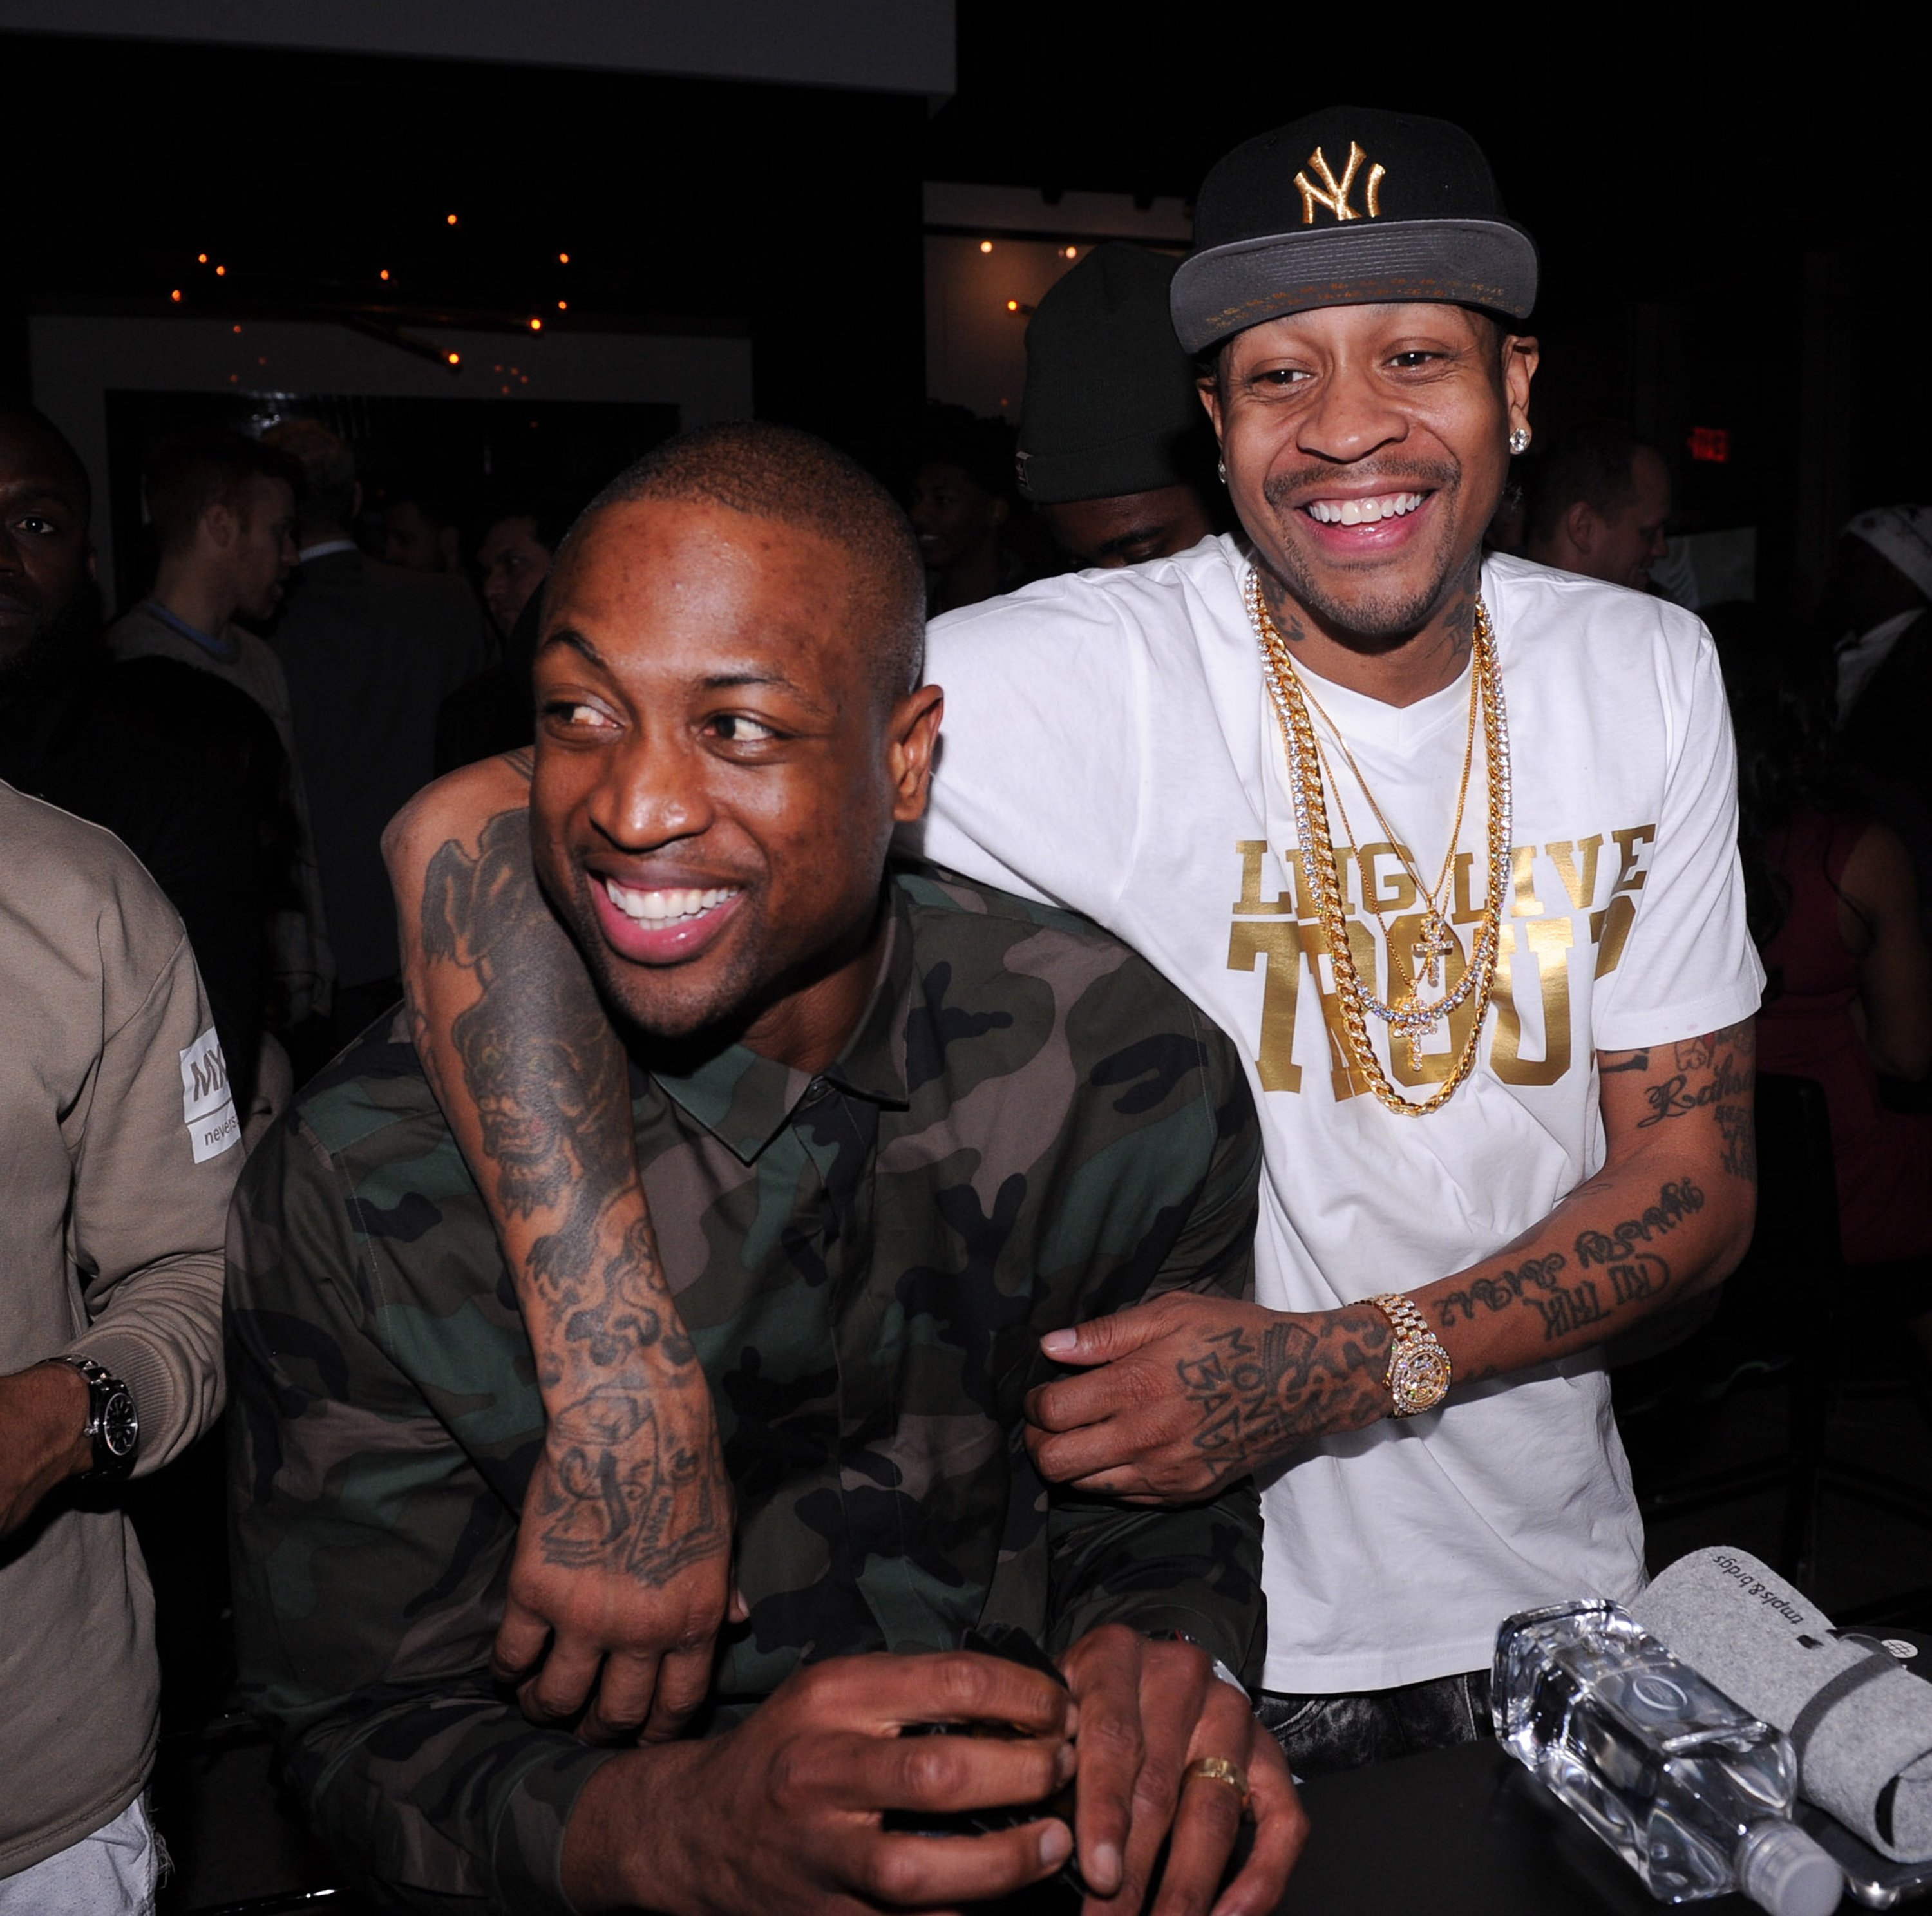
1289,490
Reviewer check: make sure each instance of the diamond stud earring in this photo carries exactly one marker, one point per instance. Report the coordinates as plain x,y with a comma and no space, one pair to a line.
1519,441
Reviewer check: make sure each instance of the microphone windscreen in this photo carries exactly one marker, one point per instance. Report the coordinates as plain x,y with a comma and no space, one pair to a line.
1860,1722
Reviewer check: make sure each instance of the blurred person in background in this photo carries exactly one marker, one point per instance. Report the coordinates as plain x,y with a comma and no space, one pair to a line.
184,769
371,650
514,557
961,503
1600,503
420,532
1115,453
222,508
1873,619
493,713
1833,905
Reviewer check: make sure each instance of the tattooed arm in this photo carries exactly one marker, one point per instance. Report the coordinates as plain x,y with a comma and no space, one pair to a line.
1188,1392
622,1557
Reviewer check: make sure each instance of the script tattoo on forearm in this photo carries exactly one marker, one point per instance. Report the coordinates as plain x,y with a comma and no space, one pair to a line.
548,1082
1632,1273
1258,1400
1717,1073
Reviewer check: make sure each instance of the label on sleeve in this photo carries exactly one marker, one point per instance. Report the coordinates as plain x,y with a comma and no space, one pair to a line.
208,1106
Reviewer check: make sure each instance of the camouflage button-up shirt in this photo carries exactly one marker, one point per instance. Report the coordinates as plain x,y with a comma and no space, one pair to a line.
1029,1127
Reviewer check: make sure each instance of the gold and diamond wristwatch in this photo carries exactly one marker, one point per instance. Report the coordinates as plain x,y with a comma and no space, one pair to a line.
1418,1367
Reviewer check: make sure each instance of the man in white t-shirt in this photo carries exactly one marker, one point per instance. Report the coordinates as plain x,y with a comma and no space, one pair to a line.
1420,1385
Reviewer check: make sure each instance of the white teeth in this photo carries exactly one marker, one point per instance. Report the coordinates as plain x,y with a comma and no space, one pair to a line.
1363,511
662,908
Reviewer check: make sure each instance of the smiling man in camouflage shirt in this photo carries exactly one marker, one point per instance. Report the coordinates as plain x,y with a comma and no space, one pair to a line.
895,1129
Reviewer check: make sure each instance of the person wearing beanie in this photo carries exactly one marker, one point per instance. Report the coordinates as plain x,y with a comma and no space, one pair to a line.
1115,455
1447,844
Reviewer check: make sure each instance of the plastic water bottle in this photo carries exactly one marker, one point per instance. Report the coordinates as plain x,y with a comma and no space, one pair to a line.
1690,1789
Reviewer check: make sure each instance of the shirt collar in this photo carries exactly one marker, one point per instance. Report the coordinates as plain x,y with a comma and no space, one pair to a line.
220,647
744,1100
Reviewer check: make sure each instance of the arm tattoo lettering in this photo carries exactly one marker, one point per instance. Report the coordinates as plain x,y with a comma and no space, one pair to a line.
1258,1401
1715,1073
1633,1272
548,1079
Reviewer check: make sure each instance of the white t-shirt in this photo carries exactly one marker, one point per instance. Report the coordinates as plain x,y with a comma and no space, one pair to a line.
1109,745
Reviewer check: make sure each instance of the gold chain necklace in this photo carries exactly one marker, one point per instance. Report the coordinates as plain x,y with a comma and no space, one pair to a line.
1407,1017
1437,940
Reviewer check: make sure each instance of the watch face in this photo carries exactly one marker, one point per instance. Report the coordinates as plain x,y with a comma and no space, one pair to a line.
120,1429
1419,1377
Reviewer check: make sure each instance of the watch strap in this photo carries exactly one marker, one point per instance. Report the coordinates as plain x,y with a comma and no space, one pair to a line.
102,1386
1413,1338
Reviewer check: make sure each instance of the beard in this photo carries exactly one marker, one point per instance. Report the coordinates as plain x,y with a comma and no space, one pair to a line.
68,643
1376,618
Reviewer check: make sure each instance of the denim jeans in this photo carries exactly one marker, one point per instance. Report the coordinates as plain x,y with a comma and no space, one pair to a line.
1320,1734
112,1872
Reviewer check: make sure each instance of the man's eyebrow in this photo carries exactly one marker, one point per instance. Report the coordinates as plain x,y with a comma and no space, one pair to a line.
1125,541
569,635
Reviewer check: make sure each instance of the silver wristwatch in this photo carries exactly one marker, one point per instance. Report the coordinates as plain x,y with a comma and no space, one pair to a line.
113,1426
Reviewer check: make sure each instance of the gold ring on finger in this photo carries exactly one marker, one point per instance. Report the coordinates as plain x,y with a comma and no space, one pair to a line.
1221,1769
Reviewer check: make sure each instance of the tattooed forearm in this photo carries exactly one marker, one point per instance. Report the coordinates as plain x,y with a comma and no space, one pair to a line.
1259,1400
1633,1269
537,1087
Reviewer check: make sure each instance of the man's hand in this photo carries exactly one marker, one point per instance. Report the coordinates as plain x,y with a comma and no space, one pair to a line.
1147,1711
621,1574
43,1418
1191,1391
787,1812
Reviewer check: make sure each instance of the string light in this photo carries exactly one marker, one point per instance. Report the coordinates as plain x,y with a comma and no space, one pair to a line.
536,325
1013,306
449,219
221,272
201,259
384,274
986,246
237,329
563,259
1073,253
175,295
563,306
452,358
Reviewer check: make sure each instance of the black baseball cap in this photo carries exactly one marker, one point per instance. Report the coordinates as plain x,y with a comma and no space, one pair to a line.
1111,406
1350,206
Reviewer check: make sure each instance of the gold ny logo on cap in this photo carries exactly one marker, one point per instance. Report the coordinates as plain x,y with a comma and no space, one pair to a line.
1335,198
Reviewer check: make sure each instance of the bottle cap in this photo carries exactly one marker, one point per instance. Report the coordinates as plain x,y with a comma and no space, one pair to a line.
1782,1870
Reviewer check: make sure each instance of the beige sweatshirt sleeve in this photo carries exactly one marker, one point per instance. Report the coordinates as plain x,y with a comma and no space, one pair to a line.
156,1154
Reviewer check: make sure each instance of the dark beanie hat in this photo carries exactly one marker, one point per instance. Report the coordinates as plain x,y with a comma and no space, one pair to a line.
1110,406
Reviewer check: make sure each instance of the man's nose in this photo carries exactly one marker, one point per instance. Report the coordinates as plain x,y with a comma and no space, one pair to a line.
1350,418
654,793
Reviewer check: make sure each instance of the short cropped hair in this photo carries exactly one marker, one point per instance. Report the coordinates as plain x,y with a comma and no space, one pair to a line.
770,471
195,470
1592,463
23,417
328,470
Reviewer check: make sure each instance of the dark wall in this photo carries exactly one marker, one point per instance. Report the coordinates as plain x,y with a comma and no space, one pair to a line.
789,214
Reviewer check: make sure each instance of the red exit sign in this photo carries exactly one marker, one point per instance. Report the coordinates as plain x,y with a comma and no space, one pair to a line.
1711,443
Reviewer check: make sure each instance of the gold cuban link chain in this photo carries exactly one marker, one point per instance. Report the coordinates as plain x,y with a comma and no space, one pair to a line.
1408,1019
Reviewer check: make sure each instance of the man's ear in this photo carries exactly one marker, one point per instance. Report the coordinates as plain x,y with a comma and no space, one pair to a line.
1582,525
1210,390
1521,356
912,737
219,523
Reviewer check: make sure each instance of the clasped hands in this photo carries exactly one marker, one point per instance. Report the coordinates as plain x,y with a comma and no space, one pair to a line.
628,1657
